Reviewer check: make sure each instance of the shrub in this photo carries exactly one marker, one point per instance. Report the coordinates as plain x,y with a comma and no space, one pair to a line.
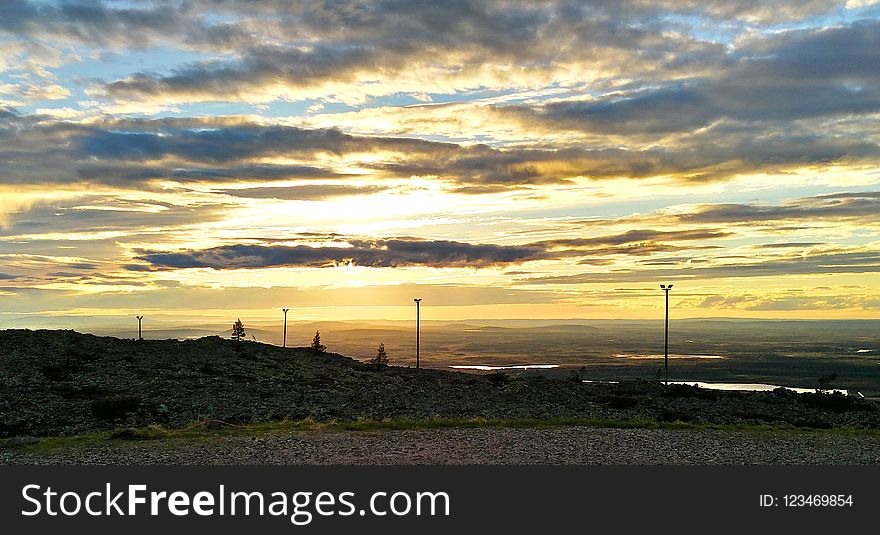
835,402
54,373
826,381
381,358
115,407
673,415
813,423
497,378
621,402
691,391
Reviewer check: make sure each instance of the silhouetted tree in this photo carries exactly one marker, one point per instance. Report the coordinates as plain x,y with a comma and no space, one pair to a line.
497,378
381,358
826,380
316,345
238,331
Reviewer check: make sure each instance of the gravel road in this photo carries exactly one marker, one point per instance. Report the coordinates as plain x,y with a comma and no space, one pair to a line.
561,445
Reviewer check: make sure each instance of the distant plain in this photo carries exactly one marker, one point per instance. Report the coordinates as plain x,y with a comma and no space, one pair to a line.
786,353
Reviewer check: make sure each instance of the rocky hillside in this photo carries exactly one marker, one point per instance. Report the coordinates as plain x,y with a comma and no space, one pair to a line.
63,382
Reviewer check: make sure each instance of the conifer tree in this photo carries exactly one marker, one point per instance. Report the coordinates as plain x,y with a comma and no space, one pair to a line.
316,345
381,358
238,331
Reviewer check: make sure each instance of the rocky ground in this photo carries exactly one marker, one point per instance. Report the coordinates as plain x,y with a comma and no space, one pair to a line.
63,383
558,445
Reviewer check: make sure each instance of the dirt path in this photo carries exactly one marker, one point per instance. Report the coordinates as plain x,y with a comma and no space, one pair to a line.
561,445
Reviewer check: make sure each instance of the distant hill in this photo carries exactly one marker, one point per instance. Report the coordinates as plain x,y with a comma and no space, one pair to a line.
64,382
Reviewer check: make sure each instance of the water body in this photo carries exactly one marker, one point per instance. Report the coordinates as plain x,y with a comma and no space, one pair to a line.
744,387
638,356
751,387
514,367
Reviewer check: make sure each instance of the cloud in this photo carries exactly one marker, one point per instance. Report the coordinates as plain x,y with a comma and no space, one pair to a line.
37,149
304,193
788,245
113,217
263,75
351,50
636,236
821,263
797,75
40,150
28,92
401,252
847,206
832,209
379,253
790,301
104,24
162,298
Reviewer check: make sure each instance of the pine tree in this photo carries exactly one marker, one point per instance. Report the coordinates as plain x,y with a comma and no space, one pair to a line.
238,331
826,380
381,358
317,346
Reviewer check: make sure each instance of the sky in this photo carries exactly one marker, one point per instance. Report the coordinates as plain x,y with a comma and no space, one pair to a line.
214,159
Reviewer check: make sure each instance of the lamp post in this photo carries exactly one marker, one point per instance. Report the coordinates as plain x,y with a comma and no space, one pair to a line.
139,318
284,336
418,301
666,288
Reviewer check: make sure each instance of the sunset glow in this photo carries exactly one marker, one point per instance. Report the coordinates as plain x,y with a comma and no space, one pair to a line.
501,159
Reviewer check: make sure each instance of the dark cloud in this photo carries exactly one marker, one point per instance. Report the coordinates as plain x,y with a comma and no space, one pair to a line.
636,236
799,75
304,193
788,245
855,207
138,151
34,150
858,206
240,80
697,109
118,26
489,22
818,264
221,143
309,44
303,44
92,214
341,42
379,253
401,252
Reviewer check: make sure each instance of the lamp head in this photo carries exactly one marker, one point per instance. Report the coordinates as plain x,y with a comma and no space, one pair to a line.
416,300
662,286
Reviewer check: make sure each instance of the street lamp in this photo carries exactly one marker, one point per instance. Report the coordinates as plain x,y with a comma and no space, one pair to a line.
666,288
417,331
284,336
139,318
